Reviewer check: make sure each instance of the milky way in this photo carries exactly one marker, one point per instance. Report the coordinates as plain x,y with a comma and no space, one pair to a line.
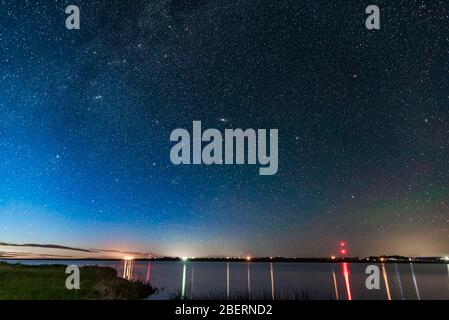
86,116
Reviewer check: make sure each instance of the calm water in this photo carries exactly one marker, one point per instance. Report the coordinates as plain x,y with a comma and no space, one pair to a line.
255,280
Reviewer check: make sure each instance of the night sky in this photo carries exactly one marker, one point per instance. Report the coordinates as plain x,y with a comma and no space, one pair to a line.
363,119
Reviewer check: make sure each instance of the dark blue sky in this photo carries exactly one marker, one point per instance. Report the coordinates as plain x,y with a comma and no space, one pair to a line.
86,116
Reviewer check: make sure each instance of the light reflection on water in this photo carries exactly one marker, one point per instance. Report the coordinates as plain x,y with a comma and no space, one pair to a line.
387,285
415,283
398,278
346,274
334,278
276,280
128,269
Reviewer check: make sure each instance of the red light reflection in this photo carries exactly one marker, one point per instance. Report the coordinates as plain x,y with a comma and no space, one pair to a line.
346,273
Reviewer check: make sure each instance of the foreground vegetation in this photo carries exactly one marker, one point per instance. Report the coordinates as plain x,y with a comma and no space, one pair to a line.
47,282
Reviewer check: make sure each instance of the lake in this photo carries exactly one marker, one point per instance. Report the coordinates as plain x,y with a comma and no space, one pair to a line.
279,280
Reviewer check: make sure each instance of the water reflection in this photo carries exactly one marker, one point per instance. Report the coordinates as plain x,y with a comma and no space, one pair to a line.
148,279
415,282
334,276
448,274
272,280
387,286
447,280
183,285
249,280
128,269
227,280
192,273
346,274
398,277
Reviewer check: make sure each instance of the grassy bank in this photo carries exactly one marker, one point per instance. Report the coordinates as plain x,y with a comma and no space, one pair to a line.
47,282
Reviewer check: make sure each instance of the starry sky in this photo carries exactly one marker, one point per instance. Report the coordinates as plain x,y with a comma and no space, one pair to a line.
86,117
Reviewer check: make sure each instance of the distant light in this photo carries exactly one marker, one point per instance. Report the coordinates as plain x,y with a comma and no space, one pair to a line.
342,244
248,258
129,258
184,259
333,257
193,258
343,251
446,258
382,259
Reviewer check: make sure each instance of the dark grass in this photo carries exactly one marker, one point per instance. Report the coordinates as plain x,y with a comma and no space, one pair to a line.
47,282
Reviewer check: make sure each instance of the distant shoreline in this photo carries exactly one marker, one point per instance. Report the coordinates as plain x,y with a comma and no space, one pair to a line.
433,260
